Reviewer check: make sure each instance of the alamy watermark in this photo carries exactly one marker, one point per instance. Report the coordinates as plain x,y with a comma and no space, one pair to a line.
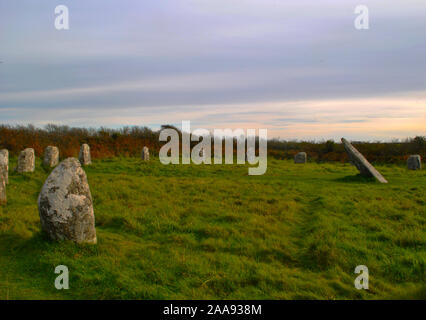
62,281
362,21
62,18
361,282
202,152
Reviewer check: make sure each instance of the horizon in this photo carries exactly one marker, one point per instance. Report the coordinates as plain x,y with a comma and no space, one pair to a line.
300,70
179,128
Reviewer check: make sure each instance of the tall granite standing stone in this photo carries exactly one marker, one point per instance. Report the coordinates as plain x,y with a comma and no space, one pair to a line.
51,156
65,204
84,155
26,161
3,198
414,162
364,167
301,157
145,154
4,160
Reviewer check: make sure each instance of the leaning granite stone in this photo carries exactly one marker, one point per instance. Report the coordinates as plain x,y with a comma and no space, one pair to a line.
4,160
65,204
51,156
26,161
3,198
414,162
301,157
364,167
145,154
84,155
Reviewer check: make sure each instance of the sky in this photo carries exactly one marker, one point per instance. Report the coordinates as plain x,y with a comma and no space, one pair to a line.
297,68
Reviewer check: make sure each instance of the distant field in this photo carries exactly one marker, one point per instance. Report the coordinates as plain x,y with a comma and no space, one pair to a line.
213,232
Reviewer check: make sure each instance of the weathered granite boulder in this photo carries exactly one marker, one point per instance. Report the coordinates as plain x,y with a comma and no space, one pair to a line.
26,161
364,167
65,204
414,162
51,156
4,160
3,198
145,154
301,157
84,155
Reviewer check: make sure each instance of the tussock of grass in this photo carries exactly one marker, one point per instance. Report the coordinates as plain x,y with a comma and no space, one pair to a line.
213,232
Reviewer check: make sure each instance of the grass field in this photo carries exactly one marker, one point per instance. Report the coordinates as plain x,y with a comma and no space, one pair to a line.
213,232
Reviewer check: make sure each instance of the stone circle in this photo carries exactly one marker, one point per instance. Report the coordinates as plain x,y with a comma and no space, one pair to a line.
65,204
84,155
414,162
145,154
301,157
358,160
4,160
51,156
26,161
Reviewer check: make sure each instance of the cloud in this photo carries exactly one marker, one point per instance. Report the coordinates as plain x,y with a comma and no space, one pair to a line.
298,68
177,83
380,118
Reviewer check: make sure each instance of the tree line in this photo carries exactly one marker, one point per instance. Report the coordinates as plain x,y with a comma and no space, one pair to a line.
129,141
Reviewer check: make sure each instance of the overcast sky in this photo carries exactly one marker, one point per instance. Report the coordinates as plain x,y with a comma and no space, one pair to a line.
297,68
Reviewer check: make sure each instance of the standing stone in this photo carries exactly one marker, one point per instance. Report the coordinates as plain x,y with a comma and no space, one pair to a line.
51,156
84,155
4,160
300,157
26,161
3,198
364,167
145,154
414,162
65,204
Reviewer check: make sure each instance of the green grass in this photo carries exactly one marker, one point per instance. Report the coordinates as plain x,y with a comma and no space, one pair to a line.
213,232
